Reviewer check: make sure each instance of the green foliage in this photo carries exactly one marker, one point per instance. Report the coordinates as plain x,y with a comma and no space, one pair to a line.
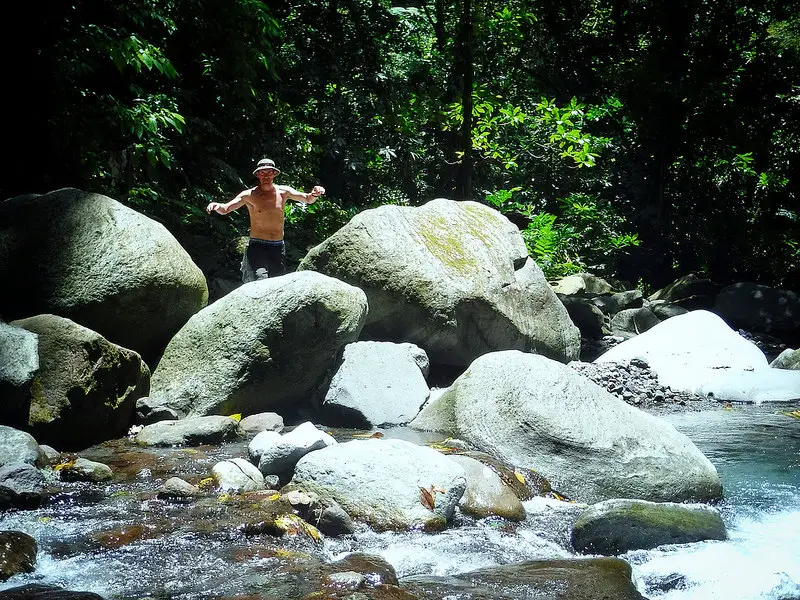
586,234
590,122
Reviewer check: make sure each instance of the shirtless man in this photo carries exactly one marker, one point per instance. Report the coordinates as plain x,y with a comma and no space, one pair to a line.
266,253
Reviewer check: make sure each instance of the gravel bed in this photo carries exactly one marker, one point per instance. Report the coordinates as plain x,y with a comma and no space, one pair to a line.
638,385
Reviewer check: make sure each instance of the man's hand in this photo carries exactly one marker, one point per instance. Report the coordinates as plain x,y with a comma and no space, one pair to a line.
317,191
216,207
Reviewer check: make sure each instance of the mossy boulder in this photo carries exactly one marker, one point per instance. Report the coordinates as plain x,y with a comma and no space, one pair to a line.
266,346
87,257
454,278
617,526
788,359
560,579
86,387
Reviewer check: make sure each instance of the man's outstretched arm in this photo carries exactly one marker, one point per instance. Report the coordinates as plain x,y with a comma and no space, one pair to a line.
224,209
308,198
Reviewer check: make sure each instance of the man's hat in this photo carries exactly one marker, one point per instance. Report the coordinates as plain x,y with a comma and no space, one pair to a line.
264,164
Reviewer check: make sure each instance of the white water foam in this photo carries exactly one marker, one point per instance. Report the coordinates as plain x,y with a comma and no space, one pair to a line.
760,561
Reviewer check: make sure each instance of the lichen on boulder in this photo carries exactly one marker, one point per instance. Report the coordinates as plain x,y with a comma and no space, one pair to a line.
454,278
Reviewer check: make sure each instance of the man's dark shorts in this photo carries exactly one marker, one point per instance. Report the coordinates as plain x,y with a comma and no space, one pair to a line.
263,259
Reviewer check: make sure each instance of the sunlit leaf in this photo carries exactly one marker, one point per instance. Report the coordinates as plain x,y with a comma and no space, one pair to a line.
427,499
65,465
294,525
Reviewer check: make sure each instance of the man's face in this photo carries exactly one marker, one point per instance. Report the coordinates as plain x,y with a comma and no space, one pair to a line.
266,175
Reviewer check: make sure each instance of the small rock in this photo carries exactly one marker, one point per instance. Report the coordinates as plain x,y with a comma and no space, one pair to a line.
267,421
282,457
52,456
332,520
346,580
237,476
86,470
177,490
375,568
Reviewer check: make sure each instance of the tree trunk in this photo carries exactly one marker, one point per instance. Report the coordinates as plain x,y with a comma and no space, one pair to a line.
464,60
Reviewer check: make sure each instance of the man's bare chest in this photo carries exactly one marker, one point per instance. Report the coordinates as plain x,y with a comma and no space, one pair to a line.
267,201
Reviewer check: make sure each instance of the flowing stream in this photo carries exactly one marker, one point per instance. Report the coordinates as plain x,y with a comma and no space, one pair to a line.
121,542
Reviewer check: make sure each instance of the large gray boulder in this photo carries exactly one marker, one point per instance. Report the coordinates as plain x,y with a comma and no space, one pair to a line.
377,383
89,258
266,345
19,362
617,526
389,484
700,354
533,412
454,278
86,387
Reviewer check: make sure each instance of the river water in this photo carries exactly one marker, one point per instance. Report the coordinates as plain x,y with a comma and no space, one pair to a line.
122,543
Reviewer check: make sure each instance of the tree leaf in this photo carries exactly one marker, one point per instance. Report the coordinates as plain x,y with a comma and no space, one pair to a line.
427,499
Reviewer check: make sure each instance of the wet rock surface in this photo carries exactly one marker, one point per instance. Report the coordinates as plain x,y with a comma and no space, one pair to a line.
557,579
17,553
45,592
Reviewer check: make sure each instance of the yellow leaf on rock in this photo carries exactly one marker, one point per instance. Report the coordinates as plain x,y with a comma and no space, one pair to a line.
443,449
237,417
206,483
520,477
558,496
64,465
294,525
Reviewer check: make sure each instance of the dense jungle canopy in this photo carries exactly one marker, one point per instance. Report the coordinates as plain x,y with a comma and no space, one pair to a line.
637,138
